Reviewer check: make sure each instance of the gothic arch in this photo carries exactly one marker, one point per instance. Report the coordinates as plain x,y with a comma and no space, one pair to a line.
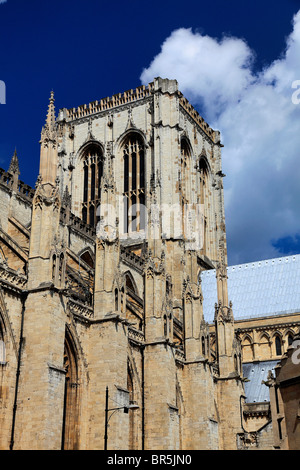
88,256
202,161
130,282
81,151
277,333
247,348
288,337
72,394
185,142
264,334
288,331
135,397
277,338
123,137
90,165
248,337
186,155
185,162
264,345
132,158
119,292
204,198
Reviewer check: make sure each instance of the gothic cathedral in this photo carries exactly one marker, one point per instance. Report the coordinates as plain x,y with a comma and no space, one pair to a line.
101,305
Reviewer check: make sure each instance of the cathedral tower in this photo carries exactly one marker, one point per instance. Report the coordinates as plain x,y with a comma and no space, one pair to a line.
127,212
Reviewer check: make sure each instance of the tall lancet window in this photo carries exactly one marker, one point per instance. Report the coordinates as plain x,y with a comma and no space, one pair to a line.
134,184
185,156
92,175
203,199
184,176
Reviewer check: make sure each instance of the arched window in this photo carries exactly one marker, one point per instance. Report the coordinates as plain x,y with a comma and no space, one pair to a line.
58,269
203,199
203,345
70,425
54,267
290,339
92,175
122,299
278,347
184,179
236,363
61,270
134,184
185,155
116,299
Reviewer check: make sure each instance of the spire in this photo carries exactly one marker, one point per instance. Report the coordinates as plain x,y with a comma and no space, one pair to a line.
48,158
51,111
48,131
14,164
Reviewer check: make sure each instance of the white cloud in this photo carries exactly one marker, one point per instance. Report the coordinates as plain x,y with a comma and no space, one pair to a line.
259,124
2,1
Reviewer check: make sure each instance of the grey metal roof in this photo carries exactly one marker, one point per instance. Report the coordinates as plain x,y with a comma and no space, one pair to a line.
263,288
256,372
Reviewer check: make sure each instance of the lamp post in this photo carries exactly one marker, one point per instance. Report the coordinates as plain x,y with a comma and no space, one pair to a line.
107,418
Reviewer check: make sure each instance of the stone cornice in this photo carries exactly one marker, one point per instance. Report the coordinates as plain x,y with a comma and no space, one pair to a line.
79,309
270,326
203,127
11,279
105,105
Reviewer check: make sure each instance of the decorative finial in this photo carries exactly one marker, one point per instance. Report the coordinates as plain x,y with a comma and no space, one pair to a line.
50,120
49,130
14,164
66,200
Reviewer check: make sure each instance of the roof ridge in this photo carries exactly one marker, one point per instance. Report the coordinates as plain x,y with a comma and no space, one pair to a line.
265,261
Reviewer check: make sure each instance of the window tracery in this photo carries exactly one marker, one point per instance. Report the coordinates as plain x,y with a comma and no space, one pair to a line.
92,176
203,199
134,184
278,345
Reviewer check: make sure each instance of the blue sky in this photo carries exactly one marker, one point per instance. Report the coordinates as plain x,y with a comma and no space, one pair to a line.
87,50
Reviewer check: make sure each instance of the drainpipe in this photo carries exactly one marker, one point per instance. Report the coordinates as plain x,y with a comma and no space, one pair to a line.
11,445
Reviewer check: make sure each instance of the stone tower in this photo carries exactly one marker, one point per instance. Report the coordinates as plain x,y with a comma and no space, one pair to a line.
127,211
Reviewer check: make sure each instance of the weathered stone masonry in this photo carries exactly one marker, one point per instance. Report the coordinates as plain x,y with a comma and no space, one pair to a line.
79,312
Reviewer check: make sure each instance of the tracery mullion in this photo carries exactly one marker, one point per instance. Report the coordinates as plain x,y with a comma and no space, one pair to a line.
133,155
97,183
138,187
93,179
92,174
89,187
204,203
99,176
129,184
